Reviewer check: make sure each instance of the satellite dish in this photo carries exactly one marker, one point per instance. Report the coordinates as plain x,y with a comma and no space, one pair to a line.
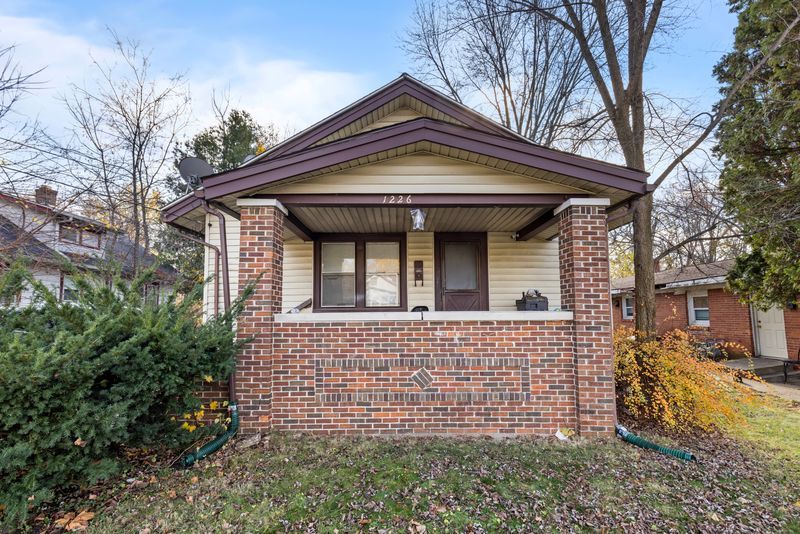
193,170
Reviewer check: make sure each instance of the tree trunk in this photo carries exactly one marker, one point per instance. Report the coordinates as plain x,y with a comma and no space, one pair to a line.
644,269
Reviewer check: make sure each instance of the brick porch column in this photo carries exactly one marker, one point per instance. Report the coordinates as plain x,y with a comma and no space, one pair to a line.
585,290
260,253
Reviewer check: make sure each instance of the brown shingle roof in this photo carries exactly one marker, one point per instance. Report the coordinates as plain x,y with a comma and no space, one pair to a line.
682,274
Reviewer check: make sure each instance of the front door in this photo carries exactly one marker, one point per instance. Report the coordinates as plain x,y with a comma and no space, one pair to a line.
461,272
771,333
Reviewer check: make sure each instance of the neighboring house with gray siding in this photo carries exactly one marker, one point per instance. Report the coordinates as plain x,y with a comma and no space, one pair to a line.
47,238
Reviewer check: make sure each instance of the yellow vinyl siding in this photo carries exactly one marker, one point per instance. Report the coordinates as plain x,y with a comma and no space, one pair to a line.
298,269
419,246
515,266
396,117
212,236
420,173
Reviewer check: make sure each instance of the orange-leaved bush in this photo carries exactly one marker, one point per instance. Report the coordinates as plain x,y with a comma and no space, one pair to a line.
666,380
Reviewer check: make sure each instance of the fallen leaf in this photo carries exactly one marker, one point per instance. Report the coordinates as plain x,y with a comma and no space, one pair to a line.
92,497
417,528
72,522
79,442
172,494
195,480
189,499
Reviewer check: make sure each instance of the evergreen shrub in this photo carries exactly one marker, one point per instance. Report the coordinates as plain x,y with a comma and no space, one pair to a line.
82,382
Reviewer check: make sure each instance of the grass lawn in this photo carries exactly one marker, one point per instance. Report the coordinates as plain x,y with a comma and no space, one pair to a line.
746,481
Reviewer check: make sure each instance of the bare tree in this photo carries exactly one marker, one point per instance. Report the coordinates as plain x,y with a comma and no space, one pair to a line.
528,70
616,62
690,224
29,157
125,125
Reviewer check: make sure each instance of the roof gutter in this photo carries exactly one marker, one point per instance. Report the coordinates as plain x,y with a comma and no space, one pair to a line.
226,285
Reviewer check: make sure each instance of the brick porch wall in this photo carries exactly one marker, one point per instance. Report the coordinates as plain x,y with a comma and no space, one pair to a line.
260,260
489,377
423,376
585,290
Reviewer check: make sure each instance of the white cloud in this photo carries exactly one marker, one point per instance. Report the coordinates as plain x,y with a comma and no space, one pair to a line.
65,59
290,93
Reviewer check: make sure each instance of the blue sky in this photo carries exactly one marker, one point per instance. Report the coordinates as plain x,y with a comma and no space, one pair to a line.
290,62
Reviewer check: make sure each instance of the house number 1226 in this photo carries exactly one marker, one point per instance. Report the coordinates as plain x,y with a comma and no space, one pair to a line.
397,199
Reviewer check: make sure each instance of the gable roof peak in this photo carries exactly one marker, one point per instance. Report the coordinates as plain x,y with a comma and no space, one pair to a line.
405,84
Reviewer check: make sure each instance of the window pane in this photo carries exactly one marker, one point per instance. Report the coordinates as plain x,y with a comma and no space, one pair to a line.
338,275
460,266
383,274
701,315
338,257
69,234
90,239
338,290
628,307
700,302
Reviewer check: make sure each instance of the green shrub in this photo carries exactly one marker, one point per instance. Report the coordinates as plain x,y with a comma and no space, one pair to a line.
81,382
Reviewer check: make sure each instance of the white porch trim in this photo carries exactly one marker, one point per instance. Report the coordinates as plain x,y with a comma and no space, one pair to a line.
582,202
262,202
360,317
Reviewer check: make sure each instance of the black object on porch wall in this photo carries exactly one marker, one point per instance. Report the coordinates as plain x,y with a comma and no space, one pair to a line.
461,271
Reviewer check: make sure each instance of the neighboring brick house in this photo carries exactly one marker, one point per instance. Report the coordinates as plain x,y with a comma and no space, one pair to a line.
392,240
48,237
695,298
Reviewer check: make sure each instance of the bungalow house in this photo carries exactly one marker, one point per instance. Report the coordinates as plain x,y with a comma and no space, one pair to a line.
695,298
393,240
49,237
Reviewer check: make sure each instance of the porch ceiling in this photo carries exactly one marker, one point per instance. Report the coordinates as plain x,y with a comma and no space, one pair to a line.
387,220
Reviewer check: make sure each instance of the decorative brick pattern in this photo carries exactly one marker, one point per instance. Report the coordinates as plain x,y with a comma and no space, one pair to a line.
422,378
583,257
489,377
260,260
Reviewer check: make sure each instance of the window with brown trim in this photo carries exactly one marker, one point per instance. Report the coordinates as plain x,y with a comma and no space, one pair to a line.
90,239
69,234
79,236
360,272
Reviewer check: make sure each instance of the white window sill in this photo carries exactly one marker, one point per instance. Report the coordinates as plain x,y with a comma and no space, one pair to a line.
337,317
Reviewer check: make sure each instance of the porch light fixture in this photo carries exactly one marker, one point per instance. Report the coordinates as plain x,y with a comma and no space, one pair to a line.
417,220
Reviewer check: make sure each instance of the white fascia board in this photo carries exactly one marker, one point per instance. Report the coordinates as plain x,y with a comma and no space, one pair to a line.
589,201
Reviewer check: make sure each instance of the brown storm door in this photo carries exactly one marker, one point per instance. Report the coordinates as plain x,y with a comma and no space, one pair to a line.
461,272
